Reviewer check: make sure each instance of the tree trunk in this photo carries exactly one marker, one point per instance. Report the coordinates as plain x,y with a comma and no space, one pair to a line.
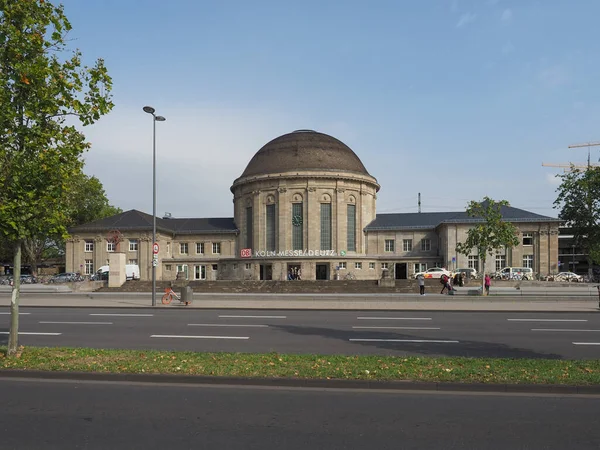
483,276
13,338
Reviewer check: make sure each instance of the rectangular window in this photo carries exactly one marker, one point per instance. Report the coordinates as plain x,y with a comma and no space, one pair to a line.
500,262
89,267
133,245
200,272
389,245
111,247
215,267
132,262
342,265
420,267
182,268
425,245
351,236
89,246
371,265
249,229
270,228
407,245
248,266
200,248
528,261
216,247
183,248
297,227
384,265
325,226
168,267
473,262
168,247
358,265
527,239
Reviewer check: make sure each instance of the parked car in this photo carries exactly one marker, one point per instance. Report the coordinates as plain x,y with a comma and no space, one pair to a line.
514,273
470,272
434,272
568,276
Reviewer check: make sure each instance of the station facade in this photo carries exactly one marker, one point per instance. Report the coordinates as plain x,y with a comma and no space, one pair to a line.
305,208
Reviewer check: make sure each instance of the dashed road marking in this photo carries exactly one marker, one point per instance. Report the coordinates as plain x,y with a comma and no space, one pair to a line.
564,330
31,333
393,318
175,336
252,317
547,320
397,328
226,325
76,323
21,314
123,315
418,341
586,343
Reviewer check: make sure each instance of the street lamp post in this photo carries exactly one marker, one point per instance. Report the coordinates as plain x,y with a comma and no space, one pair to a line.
155,118
573,270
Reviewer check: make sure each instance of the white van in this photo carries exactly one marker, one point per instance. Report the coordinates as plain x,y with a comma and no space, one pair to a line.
132,271
515,273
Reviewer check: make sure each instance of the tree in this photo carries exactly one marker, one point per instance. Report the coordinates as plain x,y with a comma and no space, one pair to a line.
579,202
490,232
40,152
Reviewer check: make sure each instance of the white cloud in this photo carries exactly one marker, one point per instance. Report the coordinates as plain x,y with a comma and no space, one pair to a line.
466,19
506,15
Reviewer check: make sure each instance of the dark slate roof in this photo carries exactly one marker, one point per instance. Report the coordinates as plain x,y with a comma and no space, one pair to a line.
304,150
431,220
134,220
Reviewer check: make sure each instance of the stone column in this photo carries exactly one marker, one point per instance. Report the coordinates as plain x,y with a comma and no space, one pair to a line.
311,219
284,220
339,220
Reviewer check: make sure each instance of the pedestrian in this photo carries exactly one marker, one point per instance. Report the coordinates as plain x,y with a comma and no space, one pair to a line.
445,283
421,279
487,283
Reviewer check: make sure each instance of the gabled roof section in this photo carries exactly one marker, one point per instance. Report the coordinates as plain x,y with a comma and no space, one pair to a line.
134,220
431,220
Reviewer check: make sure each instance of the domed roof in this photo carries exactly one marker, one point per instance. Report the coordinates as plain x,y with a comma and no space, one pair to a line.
304,150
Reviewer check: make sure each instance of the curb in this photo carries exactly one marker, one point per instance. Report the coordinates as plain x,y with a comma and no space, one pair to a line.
397,385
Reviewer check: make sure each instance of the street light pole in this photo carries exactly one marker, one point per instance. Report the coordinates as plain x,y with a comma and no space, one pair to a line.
155,118
573,270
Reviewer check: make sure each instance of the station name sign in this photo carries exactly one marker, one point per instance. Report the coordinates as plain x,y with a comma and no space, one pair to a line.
247,253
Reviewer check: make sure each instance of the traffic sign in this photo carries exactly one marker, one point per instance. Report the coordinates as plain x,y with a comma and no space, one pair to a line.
155,248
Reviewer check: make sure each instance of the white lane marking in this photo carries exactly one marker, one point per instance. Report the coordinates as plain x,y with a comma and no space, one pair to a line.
124,315
426,341
563,329
586,343
226,325
547,320
394,318
21,314
252,317
396,328
197,337
78,323
31,333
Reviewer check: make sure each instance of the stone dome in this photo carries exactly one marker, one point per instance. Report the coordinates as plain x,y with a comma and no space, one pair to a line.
304,150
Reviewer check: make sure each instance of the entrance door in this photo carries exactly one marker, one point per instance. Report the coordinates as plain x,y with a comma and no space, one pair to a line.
322,272
266,272
401,271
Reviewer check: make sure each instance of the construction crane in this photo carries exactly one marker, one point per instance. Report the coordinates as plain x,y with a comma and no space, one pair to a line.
588,145
569,167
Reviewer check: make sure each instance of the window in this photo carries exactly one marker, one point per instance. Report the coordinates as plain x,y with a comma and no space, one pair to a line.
89,267
371,265
234,266
168,267
384,265
500,262
133,262
216,248
110,247
420,267
528,261
183,248
168,247
248,266
351,236
200,272
182,268
325,226
407,245
425,245
89,246
342,265
527,239
215,267
297,227
249,230
389,245
358,265
473,262
199,248
133,245
270,228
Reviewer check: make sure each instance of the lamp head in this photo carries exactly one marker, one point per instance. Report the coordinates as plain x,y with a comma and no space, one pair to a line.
149,109
159,118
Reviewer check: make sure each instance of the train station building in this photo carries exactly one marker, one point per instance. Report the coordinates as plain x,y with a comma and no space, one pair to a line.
305,207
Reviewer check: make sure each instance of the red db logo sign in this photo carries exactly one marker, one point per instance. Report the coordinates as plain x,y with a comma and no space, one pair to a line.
246,253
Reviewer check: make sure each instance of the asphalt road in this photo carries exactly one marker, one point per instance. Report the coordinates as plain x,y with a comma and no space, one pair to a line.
473,334
92,415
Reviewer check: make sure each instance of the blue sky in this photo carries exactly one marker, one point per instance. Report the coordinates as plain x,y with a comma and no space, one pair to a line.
454,99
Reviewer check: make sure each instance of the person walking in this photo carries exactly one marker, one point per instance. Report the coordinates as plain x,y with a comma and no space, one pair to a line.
421,279
445,283
487,283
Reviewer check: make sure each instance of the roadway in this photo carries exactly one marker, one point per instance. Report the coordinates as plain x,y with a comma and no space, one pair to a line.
434,333
107,415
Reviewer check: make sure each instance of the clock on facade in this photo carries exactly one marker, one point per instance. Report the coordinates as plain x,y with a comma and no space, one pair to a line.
297,220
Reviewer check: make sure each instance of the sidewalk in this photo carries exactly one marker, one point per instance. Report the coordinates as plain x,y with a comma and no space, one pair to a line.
406,302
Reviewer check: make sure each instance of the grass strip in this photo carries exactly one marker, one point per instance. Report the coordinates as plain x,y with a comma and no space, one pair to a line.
274,365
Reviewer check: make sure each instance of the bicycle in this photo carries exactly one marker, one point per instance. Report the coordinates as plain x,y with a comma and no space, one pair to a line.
170,294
